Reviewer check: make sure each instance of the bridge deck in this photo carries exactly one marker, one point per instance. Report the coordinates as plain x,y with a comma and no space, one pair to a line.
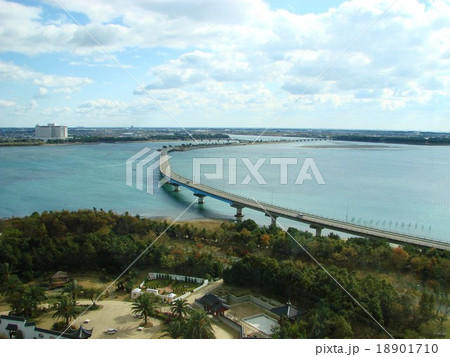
276,211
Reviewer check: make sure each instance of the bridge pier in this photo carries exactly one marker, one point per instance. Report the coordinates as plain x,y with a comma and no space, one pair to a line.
238,214
201,198
273,219
318,229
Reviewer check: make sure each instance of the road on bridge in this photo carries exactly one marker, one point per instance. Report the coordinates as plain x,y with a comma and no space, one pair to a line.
316,222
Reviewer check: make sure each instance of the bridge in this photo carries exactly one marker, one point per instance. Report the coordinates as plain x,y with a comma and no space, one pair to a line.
315,222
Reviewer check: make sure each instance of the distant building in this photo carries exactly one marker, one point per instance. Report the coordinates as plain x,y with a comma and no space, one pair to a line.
50,132
18,327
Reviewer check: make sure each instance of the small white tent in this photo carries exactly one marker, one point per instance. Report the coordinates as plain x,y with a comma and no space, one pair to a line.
136,293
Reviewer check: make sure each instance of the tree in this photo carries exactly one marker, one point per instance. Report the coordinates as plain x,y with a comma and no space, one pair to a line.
73,289
265,240
6,271
65,309
288,329
22,304
399,257
174,330
168,261
427,308
145,304
29,300
341,328
11,285
198,325
179,307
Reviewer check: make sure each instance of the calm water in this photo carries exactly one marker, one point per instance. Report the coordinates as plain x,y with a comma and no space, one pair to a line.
397,187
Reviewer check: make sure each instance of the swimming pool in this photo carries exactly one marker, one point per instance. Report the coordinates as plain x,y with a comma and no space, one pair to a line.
262,322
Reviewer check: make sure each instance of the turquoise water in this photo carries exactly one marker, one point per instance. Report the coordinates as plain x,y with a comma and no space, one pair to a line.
397,187
77,176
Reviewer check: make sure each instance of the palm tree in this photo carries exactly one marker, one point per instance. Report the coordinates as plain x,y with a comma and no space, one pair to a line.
37,293
65,309
175,329
73,289
31,299
145,305
179,307
198,325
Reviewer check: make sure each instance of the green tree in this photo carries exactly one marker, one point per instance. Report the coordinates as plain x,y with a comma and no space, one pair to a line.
11,285
6,271
65,309
73,289
145,304
198,325
174,330
427,308
288,329
179,307
341,328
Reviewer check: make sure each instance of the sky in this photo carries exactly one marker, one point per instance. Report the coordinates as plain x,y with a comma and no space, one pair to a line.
357,64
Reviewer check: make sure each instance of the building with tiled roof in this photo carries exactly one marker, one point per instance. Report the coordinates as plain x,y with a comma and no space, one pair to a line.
288,310
18,327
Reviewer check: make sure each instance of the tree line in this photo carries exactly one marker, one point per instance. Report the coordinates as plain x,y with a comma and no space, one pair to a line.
88,240
264,258
331,312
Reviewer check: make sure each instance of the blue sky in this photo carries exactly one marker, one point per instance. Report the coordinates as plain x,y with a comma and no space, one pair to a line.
216,63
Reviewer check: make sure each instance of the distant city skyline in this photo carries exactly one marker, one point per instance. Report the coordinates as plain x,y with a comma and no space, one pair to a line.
234,63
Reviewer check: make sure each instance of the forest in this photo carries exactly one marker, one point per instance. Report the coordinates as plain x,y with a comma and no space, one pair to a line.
266,259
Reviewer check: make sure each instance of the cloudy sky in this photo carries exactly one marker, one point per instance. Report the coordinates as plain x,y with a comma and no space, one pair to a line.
216,63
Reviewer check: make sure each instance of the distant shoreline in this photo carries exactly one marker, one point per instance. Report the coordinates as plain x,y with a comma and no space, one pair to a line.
97,136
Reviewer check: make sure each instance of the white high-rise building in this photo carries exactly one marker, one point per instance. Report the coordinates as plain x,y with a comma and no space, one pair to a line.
50,132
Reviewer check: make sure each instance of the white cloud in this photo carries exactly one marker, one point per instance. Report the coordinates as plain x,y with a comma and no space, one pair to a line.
103,104
10,72
404,56
6,103
42,93
240,54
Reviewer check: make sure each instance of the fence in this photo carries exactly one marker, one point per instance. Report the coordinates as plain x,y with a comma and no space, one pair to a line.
153,276
234,325
249,298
